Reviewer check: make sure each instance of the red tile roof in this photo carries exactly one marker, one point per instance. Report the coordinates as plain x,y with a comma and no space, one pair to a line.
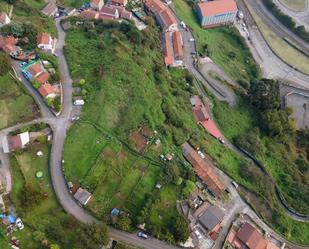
8,48
15,143
167,49
110,11
155,6
43,38
47,89
35,69
89,14
43,77
126,14
178,45
250,236
4,40
120,2
211,8
167,18
204,171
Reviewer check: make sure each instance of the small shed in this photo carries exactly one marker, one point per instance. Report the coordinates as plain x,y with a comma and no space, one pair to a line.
82,196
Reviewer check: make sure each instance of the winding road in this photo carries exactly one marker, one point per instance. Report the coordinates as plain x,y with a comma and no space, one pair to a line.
61,124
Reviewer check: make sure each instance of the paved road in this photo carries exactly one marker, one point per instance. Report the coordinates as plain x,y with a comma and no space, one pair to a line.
271,65
300,17
270,20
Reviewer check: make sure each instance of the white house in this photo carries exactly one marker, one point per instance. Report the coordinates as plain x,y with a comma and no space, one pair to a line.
4,19
46,42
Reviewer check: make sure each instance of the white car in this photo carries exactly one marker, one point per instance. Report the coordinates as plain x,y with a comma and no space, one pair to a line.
201,154
198,234
19,224
191,40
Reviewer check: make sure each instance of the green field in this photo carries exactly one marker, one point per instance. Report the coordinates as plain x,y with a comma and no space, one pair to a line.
13,100
37,206
125,85
221,43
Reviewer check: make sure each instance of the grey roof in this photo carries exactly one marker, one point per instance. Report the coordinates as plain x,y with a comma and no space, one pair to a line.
82,195
50,9
212,217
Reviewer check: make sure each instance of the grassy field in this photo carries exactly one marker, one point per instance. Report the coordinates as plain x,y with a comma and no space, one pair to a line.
285,51
98,152
28,11
296,5
221,42
13,100
25,165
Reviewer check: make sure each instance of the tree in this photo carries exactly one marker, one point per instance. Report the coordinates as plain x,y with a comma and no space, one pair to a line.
54,246
250,141
39,236
180,229
124,223
4,64
189,188
264,94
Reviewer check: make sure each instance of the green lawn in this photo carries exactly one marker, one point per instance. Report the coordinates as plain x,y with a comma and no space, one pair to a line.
221,42
13,100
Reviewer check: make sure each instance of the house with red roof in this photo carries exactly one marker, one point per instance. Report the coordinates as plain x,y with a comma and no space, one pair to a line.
46,42
203,170
16,142
4,19
167,49
248,237
178,45
35,70
48,91
109,12
216,13
166,20
43,78
119,2
96,4
89,14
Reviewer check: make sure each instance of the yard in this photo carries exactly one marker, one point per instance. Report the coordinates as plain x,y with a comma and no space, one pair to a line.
13,100
221,42
284,50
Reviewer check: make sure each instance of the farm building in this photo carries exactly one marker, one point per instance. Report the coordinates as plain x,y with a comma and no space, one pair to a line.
16,142
82,196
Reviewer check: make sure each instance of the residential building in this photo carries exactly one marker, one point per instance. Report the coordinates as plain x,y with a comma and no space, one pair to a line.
34,70
248,237
166,20
96,4
48,91
46,42
177,45
43,78
154,6
109,12
211,221
5,40
126,15
203,170
89,14
16,142
82,196
119,2
50,9
4,19
167,49
216,13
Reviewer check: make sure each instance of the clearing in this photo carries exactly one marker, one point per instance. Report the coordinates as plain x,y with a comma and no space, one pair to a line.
13,100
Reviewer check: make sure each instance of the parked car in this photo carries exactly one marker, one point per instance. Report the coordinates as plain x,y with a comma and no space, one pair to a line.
79,102
201,154
142,235
191,40
198,234
235,184
221,140
19,224
183,24
74,118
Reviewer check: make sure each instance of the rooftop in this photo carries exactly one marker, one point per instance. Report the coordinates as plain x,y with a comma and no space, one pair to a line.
211,217
82,195
212,8
47,89
43,38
